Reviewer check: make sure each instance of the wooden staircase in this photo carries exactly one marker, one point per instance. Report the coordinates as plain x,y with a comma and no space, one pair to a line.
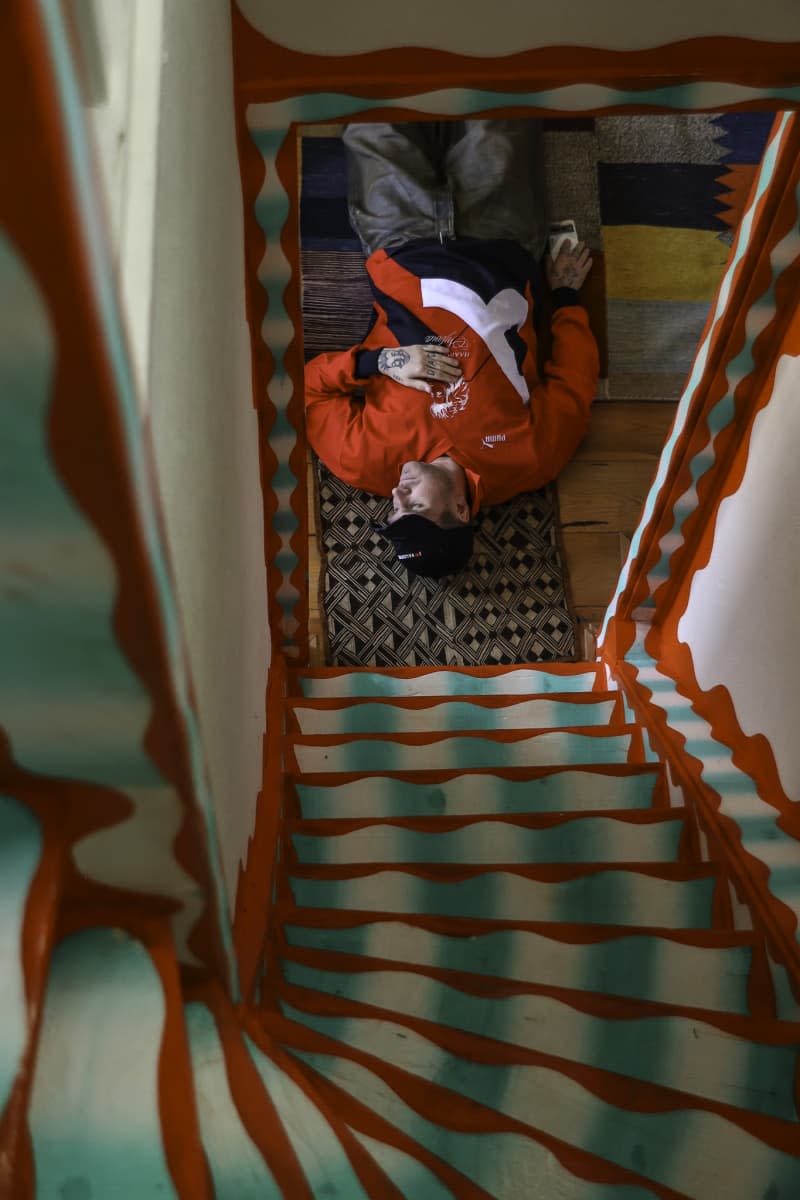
497,967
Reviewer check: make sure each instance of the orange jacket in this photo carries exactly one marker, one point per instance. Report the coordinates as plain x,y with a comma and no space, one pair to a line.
510,430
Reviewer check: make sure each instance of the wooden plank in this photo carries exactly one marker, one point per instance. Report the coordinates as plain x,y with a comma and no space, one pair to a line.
593,564
627,430
604,496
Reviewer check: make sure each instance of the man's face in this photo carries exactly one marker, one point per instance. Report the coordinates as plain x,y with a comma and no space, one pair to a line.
422,488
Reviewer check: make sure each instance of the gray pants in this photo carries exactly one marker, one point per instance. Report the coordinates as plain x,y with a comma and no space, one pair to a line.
439,179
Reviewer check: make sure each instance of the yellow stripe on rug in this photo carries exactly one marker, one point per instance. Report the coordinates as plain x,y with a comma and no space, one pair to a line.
652,262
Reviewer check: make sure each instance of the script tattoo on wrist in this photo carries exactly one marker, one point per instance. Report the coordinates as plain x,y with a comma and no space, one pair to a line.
392,360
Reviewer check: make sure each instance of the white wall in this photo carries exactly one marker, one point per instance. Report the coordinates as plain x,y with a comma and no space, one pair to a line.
166,134
741,616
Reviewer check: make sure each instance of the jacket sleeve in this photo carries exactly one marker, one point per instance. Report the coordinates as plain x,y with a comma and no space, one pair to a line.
561,401
335,423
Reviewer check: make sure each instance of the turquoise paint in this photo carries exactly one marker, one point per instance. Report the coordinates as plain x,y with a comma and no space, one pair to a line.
93,226
467,753
591,839
282,478
601,898
448,683
408,1175
670,1148
487,1159
238,1169
564,791
455,716
20,853
719,416
624,966
271,120
319,1151
94,1109
284,522
649,1049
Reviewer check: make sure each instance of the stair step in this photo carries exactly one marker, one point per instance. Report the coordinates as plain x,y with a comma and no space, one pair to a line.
423,715
549,789
314,1131
683,1053
639,837
447,681
669,1138
707,970
238,1167
507,1165
431,752
671,896
99,1118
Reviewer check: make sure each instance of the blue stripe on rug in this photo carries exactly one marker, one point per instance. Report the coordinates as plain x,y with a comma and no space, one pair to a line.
324,223
745,135
676,195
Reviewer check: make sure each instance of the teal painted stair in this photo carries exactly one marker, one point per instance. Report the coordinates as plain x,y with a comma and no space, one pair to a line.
499,971
498,950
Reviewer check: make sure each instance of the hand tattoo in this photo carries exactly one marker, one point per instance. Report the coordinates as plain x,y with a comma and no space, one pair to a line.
568,276
392,360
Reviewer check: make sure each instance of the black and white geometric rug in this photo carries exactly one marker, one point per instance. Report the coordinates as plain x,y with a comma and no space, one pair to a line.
509,606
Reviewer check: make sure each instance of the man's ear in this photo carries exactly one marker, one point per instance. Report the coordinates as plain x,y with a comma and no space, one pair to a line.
462,512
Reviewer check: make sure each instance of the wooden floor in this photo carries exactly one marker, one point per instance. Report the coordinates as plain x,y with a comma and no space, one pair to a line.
600,498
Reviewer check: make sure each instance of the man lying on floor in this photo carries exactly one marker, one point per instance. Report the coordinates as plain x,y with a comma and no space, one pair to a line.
442,406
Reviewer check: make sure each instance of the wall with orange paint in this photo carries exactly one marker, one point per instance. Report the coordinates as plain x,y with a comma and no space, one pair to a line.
162,114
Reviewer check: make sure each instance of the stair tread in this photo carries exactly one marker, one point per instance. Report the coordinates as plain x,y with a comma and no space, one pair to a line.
575,837
422,737
686,1053
235,1161
529,978
497,1161
670,895
645,967
511,790
574,1103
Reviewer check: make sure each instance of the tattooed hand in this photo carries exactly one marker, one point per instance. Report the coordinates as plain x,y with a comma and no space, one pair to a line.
419,366
570,268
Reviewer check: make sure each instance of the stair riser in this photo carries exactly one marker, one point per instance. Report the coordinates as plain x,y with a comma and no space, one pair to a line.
465,753
443,682
452,717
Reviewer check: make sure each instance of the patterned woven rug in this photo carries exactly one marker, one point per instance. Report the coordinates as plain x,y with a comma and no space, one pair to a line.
509,607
